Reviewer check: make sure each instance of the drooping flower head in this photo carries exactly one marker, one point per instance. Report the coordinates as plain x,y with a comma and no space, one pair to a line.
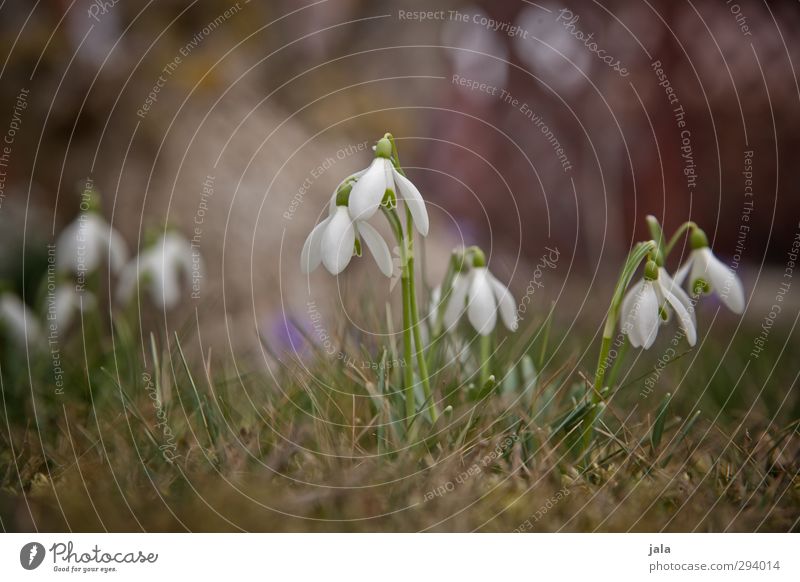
707,274
650,302
18,323
89,239
382,181
159,268
335,240
481,296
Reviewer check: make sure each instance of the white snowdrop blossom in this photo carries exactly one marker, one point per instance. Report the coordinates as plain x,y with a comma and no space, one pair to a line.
381,177
650,302
707,274
66,302
335,240
18,323
85,242
160,268
481,295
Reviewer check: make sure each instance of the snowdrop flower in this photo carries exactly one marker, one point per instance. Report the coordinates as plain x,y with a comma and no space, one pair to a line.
18,323
336,239
707,274
481,295
159,268
650,302
381,178
66,302
85,242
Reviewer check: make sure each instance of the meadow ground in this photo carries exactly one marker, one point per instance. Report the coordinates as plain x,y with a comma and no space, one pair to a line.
160,440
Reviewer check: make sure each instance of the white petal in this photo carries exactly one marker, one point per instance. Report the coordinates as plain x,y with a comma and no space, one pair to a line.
377,246
629,312
457,302
413,199
669,284
482,307
699,269
338,241
67,249
433,304
64,304
311,256
180,255
724,283
367,194
117,250
508,310
166,288
93,240
18,320
680,274
685,319
648,318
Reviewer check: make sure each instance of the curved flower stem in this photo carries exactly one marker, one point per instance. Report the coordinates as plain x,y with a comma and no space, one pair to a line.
688,225
636,256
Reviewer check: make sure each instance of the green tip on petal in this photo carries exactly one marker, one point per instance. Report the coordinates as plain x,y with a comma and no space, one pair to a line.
383,149
357,247
477,256
651,270
701,287
151,236
389,199
698,238
458,259
343,194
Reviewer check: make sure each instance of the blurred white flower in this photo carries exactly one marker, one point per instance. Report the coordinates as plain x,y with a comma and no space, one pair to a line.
159,270
650,302
336,239
18,322
382,177
67,302
707,274
85,242
481,295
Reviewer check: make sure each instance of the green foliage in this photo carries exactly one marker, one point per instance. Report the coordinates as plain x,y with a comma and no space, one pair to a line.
153,434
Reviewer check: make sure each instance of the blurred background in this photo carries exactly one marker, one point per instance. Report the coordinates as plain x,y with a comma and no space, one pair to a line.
543,131
526,125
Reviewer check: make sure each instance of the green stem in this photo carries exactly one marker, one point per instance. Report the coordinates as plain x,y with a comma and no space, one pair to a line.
636,256
676,237
414,313
486,351
406,241
612,376
408,369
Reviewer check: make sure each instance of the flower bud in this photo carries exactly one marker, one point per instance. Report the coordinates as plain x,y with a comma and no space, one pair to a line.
383,149
477,256
650,270
698,239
